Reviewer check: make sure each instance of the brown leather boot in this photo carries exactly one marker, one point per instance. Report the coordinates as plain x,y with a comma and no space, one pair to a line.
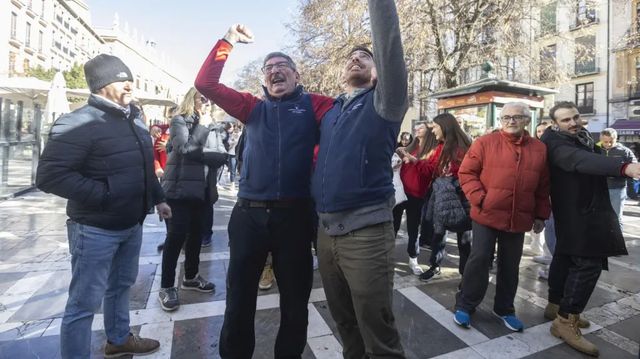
551,312
567,330
134,346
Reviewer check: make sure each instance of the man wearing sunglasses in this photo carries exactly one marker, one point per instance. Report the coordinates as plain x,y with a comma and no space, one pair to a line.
273,212
506,180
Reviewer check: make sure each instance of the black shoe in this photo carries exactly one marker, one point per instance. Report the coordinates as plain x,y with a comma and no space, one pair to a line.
432,271
198,284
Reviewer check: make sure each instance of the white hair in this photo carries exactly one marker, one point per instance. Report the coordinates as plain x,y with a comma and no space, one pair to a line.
523,107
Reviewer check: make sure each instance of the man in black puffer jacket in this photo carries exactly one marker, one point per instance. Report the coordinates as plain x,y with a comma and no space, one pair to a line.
100,157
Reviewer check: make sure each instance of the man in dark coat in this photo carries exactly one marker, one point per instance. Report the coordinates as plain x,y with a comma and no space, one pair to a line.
587,227
100,158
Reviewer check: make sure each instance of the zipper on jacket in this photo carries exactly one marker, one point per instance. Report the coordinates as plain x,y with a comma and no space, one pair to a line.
132,126
515,185
278,191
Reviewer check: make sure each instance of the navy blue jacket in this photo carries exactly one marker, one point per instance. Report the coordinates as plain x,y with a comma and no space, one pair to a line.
357,143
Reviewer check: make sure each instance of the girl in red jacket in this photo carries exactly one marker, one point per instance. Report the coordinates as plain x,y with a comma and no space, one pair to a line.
160,134
415,187
446,160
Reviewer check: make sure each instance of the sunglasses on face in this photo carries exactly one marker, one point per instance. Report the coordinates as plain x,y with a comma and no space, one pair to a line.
204,100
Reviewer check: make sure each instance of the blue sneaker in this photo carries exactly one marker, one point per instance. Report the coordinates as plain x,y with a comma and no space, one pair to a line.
462,319
511,321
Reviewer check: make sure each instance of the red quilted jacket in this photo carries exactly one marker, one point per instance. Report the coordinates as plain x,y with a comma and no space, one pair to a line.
506,180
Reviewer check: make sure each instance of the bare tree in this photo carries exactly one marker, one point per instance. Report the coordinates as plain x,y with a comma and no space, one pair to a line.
249,78
446,42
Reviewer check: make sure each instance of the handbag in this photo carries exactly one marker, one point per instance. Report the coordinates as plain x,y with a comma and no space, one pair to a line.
214,153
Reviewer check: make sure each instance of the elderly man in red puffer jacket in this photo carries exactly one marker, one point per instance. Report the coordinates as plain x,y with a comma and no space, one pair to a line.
506,179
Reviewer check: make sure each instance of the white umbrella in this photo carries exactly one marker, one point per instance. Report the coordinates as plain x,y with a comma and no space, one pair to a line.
57,104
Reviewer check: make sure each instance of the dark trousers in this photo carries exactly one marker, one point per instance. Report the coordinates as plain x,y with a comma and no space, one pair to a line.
426,231
253,232
413,207
476,276
572,280
207,222
185,228
357,274
439,243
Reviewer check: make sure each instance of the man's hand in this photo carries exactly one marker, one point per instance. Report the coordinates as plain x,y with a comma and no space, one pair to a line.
164,211
633,170
538,226
159,173
239,33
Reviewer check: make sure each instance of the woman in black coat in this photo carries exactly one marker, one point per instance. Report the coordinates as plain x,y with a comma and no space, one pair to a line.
190,192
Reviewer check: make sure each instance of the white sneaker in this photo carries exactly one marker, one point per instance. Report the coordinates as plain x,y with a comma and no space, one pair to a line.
413,264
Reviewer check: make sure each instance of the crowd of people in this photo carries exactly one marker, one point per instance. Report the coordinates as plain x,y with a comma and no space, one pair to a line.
332,174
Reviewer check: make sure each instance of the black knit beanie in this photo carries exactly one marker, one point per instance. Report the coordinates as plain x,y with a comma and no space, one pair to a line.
105,69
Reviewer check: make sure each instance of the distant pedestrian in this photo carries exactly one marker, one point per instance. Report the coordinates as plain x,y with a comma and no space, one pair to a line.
416,187
617,185
100,158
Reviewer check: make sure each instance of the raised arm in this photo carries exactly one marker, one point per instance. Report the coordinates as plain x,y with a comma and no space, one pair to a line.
390,100
235,103
573,159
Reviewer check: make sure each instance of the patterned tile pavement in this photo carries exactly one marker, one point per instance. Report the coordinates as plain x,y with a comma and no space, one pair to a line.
35,273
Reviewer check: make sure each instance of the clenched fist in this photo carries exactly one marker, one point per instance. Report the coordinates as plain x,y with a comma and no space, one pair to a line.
239,33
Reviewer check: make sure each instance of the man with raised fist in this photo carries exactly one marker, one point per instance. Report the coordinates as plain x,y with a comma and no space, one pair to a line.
274,208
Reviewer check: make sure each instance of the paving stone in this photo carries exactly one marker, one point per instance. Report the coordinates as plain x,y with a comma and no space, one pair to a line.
607,350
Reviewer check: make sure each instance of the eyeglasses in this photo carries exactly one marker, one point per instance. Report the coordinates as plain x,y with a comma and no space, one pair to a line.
517,118
277,66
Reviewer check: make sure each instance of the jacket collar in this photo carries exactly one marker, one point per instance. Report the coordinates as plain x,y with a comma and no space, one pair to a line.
516,140
345,99
297,92
113,108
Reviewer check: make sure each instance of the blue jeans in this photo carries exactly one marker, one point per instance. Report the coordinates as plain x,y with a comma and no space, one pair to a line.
617,196
233,162
104,265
